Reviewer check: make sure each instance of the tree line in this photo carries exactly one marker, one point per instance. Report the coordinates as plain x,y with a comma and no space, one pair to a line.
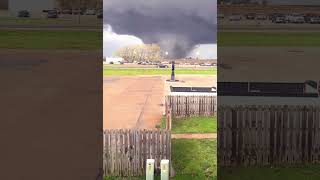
145,52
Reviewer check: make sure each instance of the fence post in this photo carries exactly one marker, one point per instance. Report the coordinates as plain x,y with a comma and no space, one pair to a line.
168,119
150,169
165,169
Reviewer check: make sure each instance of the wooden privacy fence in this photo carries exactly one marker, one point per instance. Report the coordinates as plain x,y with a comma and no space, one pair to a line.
168,117
126,151
186,106
268,135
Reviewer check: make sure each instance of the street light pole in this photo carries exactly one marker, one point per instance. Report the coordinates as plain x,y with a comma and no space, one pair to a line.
172,67
172,71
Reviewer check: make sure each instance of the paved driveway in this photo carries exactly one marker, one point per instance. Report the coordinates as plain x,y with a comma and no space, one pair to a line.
132,102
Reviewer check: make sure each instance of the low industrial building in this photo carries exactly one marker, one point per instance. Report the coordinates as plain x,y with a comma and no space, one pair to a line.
35,7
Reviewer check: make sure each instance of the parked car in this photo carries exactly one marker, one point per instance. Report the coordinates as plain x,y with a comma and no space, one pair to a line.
90,12
279,20
58,10
220,16
205,64
77,12
314,20
100,15
163,66
52,14
261,17
235,18
66,11
23,13
273,16
250,16
297,19
307,17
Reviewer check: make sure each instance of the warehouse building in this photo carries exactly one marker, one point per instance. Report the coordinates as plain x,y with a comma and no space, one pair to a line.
35,7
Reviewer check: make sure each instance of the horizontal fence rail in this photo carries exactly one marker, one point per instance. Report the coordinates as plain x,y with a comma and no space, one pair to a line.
268,135
126,151
189,106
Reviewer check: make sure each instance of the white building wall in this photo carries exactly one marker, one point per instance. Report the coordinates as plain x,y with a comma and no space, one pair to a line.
115,60
35,7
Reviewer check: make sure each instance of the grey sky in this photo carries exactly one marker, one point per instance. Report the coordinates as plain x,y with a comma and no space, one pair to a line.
177,25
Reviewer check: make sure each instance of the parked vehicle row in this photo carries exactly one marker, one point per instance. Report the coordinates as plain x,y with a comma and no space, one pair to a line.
24,13
54,13
77,11
293,18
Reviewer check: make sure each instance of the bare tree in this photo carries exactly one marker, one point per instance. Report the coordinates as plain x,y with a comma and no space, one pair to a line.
145,52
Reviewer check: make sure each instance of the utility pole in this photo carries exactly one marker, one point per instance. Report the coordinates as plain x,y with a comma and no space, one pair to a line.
172,71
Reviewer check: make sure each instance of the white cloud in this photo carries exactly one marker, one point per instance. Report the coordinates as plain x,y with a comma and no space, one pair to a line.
113,41
204,51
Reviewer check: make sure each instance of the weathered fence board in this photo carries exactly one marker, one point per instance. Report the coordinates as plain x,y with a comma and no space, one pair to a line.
268,135
126,151
186,106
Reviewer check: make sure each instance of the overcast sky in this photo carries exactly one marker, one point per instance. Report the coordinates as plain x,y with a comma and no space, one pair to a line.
176,25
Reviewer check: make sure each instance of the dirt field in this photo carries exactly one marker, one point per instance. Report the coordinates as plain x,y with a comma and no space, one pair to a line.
49,113
132,102
264,26
137,101
278,64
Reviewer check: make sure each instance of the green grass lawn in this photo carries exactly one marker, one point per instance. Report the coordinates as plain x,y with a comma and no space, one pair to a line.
311,172
112,71
31,21
192,160
192,125
49,39
126,178
269,39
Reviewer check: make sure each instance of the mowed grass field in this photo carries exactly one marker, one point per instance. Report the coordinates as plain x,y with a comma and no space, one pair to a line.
114,71
311,172
50,39
192,125
195,125
192,160
269,39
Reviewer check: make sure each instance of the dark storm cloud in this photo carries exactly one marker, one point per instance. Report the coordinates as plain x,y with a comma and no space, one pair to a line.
177,25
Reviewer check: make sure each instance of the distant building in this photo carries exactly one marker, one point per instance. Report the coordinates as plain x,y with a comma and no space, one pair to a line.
112,60
35,7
